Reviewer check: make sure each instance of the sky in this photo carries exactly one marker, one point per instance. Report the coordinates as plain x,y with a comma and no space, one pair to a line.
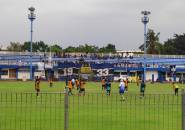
94,22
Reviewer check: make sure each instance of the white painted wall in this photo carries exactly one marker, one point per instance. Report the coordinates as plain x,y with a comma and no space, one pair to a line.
40,74
56,73
150,73
4,76
24,75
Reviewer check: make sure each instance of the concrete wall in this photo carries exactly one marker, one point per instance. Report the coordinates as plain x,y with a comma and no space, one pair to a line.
56,73
40,74
150,73
24,75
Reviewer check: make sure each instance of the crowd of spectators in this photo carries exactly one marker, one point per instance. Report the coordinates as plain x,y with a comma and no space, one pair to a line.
94,56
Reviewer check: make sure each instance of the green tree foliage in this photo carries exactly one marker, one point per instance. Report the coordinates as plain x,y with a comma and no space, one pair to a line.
37,46
26,46
152,44
84,48
159,47
153,40
110,48
56,48
175,46
91,49
14,46
40,46
70,49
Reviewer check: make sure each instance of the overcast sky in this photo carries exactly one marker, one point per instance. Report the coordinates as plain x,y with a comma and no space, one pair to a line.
96,22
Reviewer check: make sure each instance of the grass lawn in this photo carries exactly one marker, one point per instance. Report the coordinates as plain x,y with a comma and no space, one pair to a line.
20,109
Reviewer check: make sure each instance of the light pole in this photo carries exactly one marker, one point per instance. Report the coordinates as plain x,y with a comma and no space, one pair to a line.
145,20
31,17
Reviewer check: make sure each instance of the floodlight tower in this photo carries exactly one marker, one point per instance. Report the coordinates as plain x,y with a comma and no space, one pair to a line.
31,17
145,20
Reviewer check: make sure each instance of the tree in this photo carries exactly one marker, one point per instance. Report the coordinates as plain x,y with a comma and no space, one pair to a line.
89,48
152,42
14,46
82,48
159,47
40,46
56,48
70,49
110,48
175,46
102,50
37,46
26,46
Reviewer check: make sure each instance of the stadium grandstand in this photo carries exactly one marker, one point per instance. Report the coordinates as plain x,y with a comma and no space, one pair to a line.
161,68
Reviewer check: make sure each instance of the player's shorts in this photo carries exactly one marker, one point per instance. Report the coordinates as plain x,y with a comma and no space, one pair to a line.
82,89
142,90
108,91
78,87
121,92
37,89
103,86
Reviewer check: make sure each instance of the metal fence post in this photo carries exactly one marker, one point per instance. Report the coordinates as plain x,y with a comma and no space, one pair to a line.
66,109
183,109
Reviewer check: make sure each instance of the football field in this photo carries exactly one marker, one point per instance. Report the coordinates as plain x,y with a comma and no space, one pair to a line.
21,109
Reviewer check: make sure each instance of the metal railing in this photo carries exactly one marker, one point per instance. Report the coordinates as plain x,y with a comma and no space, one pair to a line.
53,111
11,53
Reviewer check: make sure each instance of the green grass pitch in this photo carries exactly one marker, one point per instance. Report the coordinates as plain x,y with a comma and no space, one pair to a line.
20,109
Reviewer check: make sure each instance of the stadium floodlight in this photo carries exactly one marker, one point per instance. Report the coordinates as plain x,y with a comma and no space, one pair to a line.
145,20
31,17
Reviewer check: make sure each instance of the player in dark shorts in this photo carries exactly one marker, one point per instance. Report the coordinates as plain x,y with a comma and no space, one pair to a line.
137,80
108,87
70,86
77,84
82,87
37,85
176,88
142,89
51,82
126,84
